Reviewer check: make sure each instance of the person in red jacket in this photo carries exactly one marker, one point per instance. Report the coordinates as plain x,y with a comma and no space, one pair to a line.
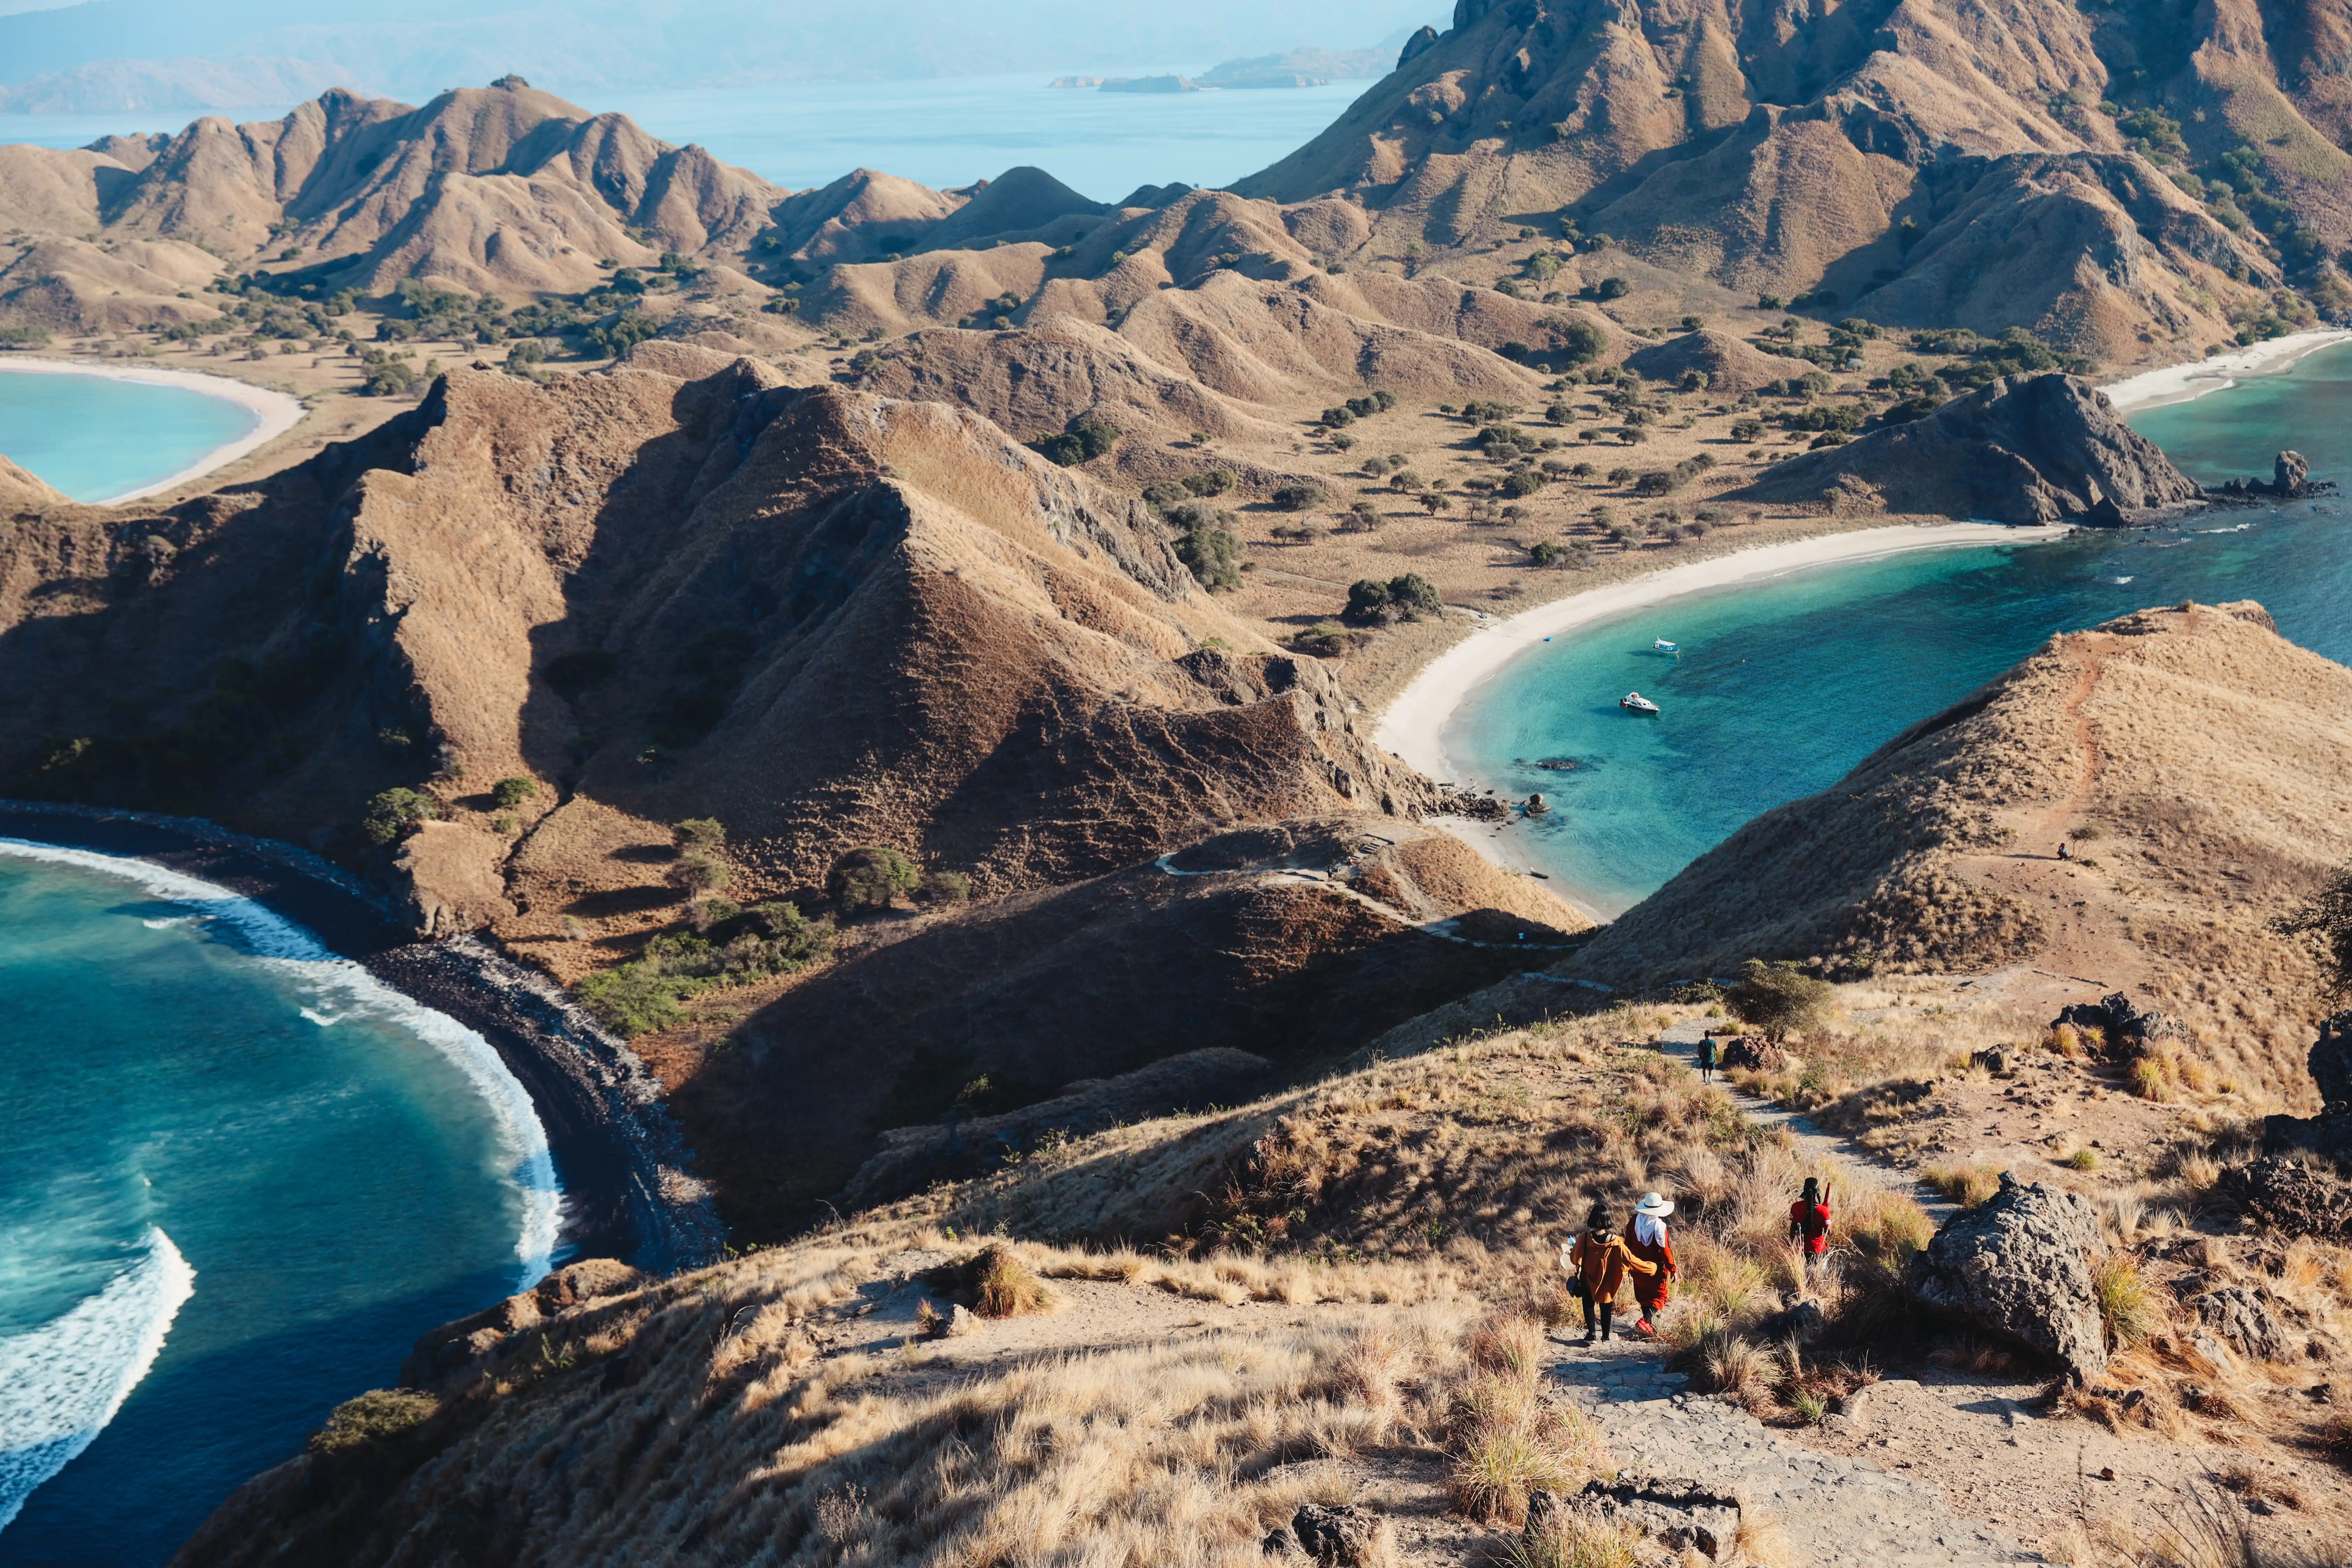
1808,1221
1646,1240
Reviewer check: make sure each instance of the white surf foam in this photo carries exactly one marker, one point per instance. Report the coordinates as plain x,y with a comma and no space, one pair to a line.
62,1383
341,988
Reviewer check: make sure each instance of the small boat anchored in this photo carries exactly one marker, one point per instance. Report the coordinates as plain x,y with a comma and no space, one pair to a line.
1634,702
1663,645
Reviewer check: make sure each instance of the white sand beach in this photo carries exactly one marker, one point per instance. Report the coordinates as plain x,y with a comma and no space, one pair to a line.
274,412
1413,726
2178,383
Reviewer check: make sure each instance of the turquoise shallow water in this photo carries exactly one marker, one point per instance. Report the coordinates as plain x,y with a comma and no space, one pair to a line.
1781,687
95,437
237,1158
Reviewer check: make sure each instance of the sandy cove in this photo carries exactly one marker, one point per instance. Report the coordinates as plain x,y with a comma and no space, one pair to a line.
274,412
2179,382
1414,724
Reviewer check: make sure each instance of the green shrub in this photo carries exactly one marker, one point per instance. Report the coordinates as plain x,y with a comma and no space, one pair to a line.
511,793
704,833
1298,498
1210,481
1780,999
1081,439
699,871
1579,342
371,1417
646,994
1330,639
1207,545
24,337
392,813
945,888
1613,288
871,878
1406,598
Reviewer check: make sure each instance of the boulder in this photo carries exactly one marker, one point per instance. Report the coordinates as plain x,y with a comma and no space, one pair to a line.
1994,1059
2290,480
450,879
1682,1515
2018,1265
1536,805
2126,1030
2243,1320
2299,1197
1338,1536
1760,1056
2290,473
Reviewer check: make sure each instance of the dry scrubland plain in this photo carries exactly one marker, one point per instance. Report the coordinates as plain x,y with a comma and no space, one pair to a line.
891,652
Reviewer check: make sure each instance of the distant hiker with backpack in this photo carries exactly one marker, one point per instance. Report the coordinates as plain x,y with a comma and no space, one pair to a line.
1706,1058
1808,1222
1647,1243
1598,1262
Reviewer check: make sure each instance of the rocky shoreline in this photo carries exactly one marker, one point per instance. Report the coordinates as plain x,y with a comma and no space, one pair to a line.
618,1155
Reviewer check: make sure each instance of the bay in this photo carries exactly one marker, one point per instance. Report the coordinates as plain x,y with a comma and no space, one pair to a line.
1782,687
97,437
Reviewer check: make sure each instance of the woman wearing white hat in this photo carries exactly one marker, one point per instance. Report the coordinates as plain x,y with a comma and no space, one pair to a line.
1646,1239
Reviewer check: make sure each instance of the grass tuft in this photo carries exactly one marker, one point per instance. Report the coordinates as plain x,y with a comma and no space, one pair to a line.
371,1417
1967,1185
2127,1306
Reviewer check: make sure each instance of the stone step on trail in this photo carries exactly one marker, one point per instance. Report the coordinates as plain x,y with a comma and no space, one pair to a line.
1837,1512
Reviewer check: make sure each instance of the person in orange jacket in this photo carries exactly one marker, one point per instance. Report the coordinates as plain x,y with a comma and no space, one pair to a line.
1600,1261
1647,1241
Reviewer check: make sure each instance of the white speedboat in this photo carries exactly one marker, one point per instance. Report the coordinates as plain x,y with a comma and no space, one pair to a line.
1663,645
1634,702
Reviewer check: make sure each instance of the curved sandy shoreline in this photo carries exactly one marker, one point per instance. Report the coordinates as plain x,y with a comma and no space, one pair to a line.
2179,382
274,412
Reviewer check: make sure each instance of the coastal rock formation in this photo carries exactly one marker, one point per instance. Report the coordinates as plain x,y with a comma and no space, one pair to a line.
2018,1265
2194,751
2025,449
448,1351
450,879
2290,480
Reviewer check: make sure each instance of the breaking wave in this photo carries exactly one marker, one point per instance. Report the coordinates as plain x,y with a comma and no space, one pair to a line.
339,990
61,1383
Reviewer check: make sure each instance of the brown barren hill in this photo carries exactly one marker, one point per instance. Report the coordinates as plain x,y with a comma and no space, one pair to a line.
1297,942
2192,759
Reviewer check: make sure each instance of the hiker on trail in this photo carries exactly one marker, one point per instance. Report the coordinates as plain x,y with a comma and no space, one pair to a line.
1706,1058
1646,1240
1599,1262
1808,1221
2063,853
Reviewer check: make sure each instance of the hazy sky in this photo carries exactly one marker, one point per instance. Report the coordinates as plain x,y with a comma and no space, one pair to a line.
409,47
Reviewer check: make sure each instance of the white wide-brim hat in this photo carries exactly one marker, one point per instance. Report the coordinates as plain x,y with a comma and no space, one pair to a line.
1654,1204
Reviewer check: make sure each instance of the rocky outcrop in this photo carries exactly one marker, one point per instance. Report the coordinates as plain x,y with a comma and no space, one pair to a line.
446,1352
1338,1535
2024,450
2290,480
2327,1135
2241,1319
2126,1029
2019,1264
2301,1196
1731,365
1757,1056
1420,44
1678,1513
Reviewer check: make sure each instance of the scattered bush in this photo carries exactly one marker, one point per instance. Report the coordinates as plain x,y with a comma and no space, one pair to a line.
1613,288
870,879
698,872
944,888
704,833
392,813
371,1417
1780,999
511,793
646,994
1081,439
1210,481
1330,639
1207,545
1298,498
1406,598
2328,917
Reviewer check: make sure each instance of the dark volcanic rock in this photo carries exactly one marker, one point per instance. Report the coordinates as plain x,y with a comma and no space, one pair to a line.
2290,480
2018,1265
1419,43
2301,1197
2024,450
2241,1318
1759,1055
1681,1514
1341,1535
2127,1031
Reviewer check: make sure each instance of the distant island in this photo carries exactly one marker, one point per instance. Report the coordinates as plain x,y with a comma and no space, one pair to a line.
1293,68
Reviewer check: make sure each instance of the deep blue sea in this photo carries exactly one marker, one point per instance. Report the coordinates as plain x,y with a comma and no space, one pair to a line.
238,1178
96,438
1781,687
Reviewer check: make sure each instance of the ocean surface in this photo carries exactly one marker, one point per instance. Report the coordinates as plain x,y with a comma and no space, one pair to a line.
1780,687
238,1178
947,131
95,437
